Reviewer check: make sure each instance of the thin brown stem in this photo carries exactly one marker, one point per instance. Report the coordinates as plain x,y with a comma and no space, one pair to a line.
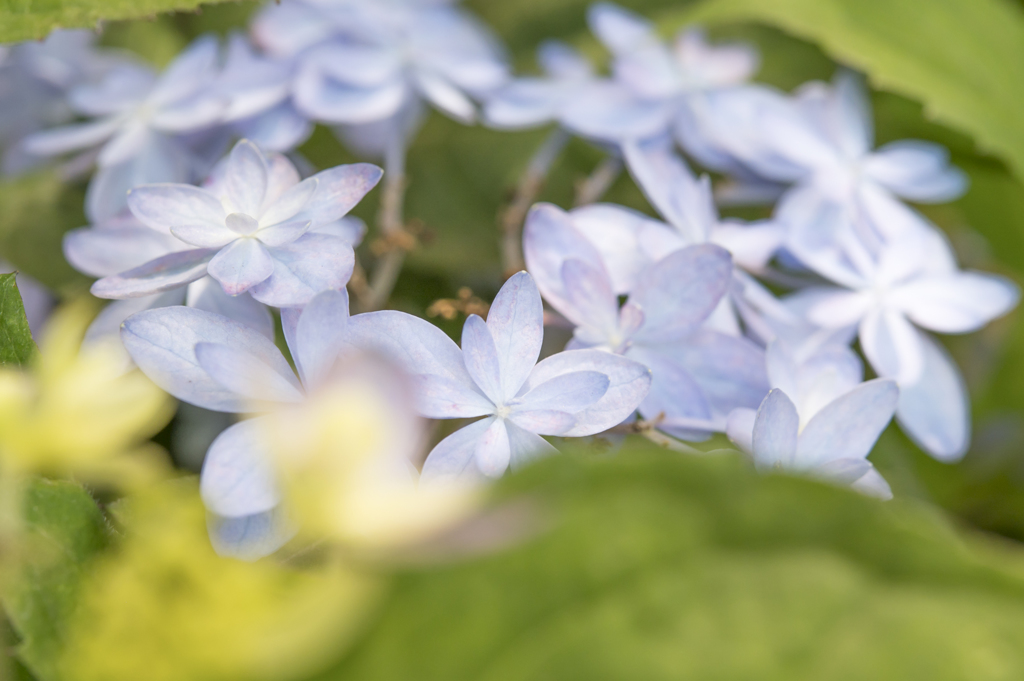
530,184
598,182
391,226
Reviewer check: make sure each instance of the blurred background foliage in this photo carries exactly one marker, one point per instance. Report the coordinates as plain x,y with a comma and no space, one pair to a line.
655,566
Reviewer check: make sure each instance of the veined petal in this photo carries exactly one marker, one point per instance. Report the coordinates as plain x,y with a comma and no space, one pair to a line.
453,456
206,294
161,206
106,251
64,139
338,190
162,342
516,323
680,291
570,392
250,537
288,203
445,96
525,446
204,235
241,265
628,384
283,232
739,427
246,178
441,397
481,358
305,267
319,336
543,421
848,427
162,274
916,170
246,375
493,451
774,439
594,305
238,477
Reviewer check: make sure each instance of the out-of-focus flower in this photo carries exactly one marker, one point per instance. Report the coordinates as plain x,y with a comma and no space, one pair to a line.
819,418
653,84
77,412
259,89
170,605
255,233
216,363
698,375
35,78
496,375
913,283
532,101
345,461
822,140
139,119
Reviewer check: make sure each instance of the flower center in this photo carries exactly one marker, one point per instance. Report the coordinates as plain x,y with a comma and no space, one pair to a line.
242,224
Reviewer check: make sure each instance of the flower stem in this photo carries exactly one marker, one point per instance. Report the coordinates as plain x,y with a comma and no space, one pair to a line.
391,224
529,186
598,182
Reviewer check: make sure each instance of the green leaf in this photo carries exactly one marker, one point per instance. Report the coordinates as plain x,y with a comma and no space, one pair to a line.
962,58
64,531
16,346
31,19
37,210
648,565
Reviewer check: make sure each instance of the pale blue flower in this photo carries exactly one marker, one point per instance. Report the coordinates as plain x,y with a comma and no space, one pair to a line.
654,83
260,230
138,122
35,79
819,418
699,375
913,284
496,376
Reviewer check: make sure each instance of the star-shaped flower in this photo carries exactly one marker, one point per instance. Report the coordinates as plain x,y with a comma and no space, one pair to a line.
496,376
138,120
255,233
913,283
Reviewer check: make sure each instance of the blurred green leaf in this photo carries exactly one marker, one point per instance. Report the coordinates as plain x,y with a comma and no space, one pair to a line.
16,345
64,530
649,565
37,210
964,59
30,19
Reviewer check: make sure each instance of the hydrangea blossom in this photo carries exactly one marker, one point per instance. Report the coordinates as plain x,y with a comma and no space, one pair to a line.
124,243
698,375
260,106
496,376
139,120
35,78
913,283
254,234
216,363
660,83
821,138
369,63
818,418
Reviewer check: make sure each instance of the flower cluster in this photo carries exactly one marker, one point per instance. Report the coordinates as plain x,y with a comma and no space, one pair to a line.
690,324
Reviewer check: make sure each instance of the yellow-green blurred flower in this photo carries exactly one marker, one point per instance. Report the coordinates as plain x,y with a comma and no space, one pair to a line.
78,412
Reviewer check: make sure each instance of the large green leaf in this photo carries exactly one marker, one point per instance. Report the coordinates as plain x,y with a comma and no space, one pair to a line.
16,346
64,531
648,565
964,59
29,19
